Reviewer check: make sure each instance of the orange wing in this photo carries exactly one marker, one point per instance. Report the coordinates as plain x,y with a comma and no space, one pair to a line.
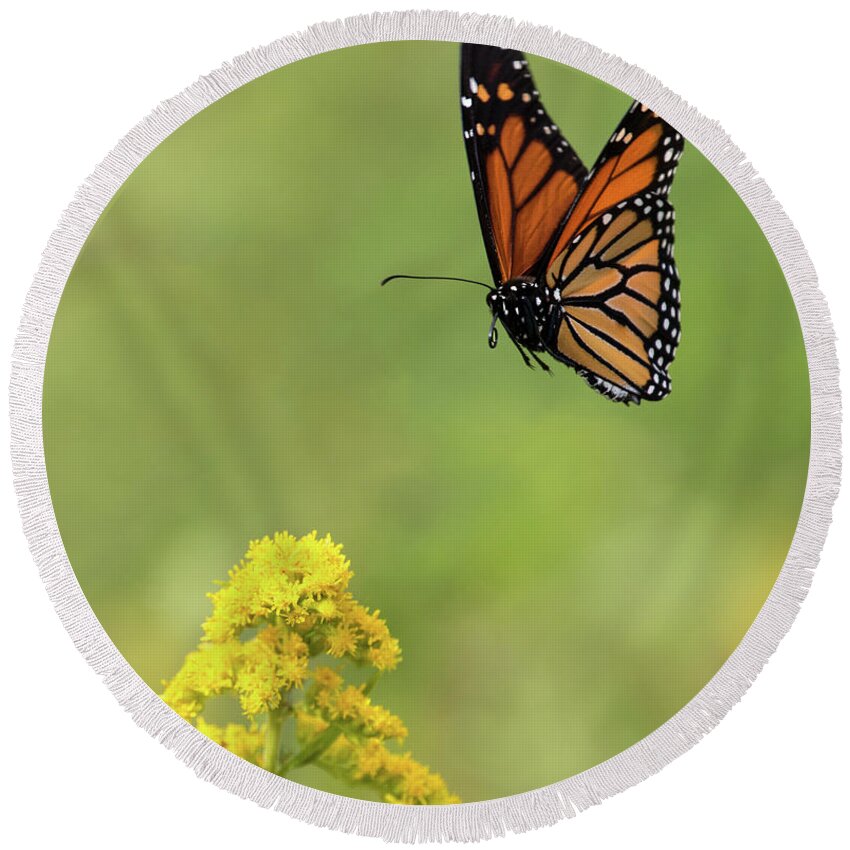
641,156
619,293
524,173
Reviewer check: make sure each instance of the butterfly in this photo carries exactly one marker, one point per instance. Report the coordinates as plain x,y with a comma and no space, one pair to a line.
582,260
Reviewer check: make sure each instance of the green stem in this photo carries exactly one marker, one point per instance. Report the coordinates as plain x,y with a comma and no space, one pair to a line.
313,750
316,748
271,751
372,681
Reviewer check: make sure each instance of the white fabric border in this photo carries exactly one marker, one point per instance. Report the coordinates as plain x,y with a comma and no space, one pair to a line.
468,821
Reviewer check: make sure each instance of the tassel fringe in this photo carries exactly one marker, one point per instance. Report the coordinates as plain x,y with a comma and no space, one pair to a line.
469,821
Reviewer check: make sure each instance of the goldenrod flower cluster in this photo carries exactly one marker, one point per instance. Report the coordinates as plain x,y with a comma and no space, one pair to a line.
291,596
238,738
361,754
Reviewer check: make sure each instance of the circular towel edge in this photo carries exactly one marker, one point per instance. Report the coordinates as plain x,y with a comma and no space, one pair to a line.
465,821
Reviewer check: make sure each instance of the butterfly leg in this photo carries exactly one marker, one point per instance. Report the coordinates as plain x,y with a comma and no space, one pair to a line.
541,363
533,323
521,350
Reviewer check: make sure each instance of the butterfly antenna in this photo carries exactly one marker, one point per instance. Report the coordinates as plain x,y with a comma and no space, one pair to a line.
386,280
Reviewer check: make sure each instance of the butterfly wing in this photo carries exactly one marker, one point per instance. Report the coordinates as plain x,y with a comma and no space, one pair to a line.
619,296
524,173
641,156
613,269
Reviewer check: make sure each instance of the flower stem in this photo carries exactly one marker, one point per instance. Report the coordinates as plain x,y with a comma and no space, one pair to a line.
271,751
315,749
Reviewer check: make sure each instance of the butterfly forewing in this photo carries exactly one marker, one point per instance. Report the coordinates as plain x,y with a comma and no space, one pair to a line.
619,295
641,156
525,174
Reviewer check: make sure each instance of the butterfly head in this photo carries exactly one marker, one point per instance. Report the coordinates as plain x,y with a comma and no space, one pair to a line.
523,307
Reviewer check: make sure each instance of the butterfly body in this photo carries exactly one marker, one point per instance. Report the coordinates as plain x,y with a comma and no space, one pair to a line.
528,310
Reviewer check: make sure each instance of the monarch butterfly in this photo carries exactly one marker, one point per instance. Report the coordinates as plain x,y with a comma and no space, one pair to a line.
582,260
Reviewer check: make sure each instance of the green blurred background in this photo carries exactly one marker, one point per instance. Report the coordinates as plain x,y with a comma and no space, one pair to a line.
563,573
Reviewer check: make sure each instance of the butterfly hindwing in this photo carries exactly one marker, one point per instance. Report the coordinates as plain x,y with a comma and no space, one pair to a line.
619,294
525,174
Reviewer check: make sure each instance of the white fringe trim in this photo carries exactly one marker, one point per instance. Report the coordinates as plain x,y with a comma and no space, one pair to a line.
469,821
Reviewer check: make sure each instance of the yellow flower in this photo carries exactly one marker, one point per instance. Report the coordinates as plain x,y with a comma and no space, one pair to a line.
385,656
381,723
292,594
342,640
400,778
371,758
325,609
370,624
281,576
348,704
186,702
240,740
324,677
309,726
324,699
413,783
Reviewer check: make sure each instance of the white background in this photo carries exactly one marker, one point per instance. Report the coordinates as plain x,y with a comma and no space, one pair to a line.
76,77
